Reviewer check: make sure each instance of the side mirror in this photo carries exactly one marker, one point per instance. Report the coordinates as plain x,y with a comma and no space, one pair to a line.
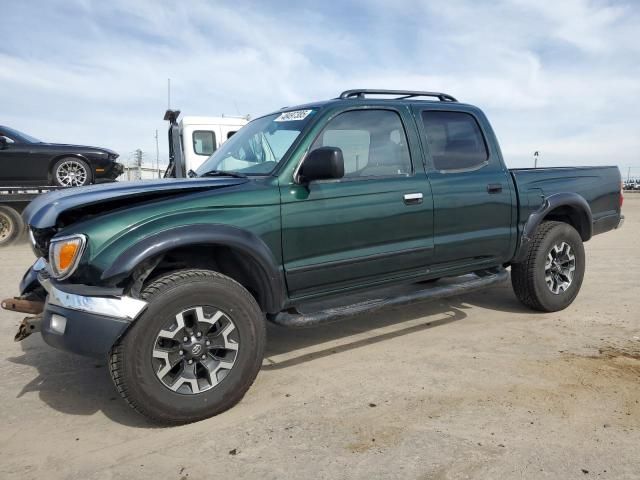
3,142
323,163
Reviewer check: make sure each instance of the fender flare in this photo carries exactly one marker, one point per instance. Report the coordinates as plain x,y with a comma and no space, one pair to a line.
550,203
60,156
269,274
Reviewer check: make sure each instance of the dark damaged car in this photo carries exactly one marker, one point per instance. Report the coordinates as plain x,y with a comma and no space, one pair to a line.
25,160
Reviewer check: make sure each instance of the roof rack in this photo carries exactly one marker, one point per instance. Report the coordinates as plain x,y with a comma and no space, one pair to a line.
402,94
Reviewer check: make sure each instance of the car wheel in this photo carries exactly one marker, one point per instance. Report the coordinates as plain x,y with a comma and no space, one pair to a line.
550,277
194,352
71,172
11,226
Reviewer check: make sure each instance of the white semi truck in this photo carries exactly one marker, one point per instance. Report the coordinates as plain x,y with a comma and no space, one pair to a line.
194,139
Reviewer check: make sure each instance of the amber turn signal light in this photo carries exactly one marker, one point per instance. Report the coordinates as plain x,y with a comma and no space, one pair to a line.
64,254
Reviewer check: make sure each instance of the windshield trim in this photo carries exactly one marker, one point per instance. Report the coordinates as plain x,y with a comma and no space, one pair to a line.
286,158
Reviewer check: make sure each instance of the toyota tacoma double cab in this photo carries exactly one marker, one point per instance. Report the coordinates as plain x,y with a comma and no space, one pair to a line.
376,192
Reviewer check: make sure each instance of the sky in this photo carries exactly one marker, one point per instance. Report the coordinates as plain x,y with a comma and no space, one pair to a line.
561,77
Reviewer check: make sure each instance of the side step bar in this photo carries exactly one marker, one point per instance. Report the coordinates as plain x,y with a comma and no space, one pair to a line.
463,284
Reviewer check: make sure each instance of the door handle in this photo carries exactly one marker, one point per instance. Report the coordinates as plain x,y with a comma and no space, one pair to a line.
494,188
412,198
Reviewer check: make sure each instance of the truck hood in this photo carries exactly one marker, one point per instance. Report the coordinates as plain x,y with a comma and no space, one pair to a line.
46,209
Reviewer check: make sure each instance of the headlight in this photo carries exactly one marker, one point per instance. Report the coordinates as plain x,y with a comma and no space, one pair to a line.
65,253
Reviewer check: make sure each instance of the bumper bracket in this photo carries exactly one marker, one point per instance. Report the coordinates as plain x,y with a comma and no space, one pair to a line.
28,326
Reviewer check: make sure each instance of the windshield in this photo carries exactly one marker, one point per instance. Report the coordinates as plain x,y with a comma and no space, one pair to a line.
17,136
258,147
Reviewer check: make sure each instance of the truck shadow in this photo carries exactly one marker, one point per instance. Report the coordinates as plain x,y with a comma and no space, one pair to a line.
287,347
74,385
77,385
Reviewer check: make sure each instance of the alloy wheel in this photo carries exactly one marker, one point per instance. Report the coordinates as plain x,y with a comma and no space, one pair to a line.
71,173
559,268
196,351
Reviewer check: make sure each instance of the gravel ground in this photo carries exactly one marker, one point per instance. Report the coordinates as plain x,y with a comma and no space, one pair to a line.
471,387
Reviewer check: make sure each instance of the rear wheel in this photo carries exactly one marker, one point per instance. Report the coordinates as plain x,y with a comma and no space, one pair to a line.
550,277
194,352
11,226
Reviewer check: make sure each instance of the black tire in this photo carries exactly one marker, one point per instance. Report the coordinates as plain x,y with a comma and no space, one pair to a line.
11,226
529,277
131,365
79,163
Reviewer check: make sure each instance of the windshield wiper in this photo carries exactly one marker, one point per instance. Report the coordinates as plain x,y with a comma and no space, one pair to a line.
222,173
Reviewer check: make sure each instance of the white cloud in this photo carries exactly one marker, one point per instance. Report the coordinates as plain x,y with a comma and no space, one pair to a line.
557,77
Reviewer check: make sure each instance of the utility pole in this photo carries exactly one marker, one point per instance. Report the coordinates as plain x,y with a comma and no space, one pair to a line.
168,94
157,155
629,174
535,159
138,157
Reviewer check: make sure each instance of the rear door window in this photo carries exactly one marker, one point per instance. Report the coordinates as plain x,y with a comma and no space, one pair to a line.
455,140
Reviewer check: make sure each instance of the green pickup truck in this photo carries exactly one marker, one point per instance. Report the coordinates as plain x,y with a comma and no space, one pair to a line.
376,192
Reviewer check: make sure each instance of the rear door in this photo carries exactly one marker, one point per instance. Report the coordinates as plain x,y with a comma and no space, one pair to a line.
473,204
374,223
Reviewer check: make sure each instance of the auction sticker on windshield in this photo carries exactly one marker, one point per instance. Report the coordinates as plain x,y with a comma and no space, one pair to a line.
293,116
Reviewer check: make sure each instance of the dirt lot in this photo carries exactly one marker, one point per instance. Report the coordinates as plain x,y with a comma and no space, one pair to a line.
471,387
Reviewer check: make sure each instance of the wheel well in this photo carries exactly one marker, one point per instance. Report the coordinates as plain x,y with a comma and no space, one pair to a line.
574,217
220,258
75,156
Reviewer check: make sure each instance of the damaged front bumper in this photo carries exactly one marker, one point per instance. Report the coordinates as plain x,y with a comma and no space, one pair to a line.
84,324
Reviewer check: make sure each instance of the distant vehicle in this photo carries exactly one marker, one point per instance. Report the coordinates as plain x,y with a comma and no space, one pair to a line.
27,161
194,139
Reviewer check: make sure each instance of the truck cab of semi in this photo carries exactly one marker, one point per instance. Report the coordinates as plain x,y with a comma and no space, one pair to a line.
194,139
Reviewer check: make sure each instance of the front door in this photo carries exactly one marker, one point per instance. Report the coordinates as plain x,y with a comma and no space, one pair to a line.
371,225
18,164
473,205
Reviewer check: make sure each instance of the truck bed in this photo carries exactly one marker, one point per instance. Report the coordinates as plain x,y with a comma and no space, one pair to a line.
599,186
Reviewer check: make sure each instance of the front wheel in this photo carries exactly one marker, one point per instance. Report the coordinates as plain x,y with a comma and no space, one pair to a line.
71,172
194,352
550,277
